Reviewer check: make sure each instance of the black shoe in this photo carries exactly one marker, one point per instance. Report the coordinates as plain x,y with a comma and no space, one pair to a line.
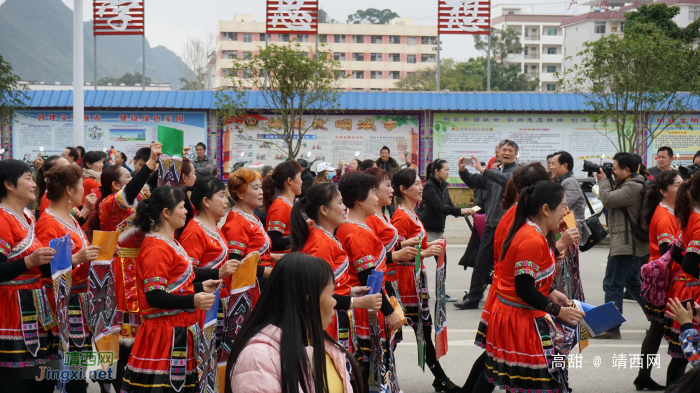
468,303
646,383
445,386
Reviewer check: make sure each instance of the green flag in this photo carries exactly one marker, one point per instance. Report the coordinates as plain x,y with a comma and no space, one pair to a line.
173,141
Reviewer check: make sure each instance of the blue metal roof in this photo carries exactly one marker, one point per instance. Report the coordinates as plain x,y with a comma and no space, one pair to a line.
353,100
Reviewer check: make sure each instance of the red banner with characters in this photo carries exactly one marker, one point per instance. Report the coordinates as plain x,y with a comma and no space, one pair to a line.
118,17
292,16
464,16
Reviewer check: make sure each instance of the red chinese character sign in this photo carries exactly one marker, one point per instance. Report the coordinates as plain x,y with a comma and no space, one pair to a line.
118,17
292,16
464,16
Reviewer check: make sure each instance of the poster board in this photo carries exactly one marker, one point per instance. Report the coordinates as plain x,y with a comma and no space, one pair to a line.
127,131
683,136
457,135
331,138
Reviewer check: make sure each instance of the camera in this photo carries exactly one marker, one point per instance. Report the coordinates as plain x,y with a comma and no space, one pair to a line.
687,171
592,167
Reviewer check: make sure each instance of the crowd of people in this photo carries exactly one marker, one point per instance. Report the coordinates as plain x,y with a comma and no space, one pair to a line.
315,318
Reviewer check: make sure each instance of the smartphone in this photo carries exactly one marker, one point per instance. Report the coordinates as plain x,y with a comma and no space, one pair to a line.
692,304
468,161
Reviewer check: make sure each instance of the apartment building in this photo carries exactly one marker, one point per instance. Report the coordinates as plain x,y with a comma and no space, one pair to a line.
608,17
375,56
542,39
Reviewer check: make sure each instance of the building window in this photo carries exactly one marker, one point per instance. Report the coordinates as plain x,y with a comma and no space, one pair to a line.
262,36
322,38
394,75
247,37
428,40
410,74
229,54
358,57
411,41
395,57
375,75
622,24
394,39
358,75
411,59
376,39
229,36
339,56
551,51
283,37
551,87
428,58
339,38
551,69
693,13
247,55
551,31
375,89
302,38
599,28
376,57
247,74
358,39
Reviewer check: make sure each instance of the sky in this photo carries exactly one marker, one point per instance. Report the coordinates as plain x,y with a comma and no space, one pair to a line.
170,22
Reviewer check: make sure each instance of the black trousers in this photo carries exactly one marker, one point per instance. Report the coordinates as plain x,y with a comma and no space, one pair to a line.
481,276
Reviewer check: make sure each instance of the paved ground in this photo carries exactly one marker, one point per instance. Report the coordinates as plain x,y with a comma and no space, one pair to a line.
462,329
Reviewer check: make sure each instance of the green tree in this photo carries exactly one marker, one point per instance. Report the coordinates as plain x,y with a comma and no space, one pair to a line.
292,83
127,79
373,16
625,79
504,43
12,94
660,18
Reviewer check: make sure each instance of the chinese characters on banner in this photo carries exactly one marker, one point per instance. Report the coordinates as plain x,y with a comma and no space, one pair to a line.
118,17
292,16
464,16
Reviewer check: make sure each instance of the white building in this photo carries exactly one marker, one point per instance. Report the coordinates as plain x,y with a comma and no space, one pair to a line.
609,18
542,39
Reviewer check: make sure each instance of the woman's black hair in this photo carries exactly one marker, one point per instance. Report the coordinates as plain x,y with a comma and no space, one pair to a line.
522,177
11,171
406,178
687,197
92,157
321,194
291,302
148,211
366,164
49,163
274,184
689,382
204,187
531,200
434,166
108,176
355,187
654,197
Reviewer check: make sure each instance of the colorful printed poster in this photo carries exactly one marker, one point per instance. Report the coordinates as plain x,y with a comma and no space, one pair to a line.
683,136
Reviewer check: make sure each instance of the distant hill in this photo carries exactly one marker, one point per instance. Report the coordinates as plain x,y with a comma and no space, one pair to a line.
36,37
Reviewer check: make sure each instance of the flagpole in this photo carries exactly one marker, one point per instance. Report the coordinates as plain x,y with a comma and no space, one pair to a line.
95,52
78,76
438,61
488,64
143,74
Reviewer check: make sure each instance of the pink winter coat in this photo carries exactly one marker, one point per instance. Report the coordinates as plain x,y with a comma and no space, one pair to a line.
258,368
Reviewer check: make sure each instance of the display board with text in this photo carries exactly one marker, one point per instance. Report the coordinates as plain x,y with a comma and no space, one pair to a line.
682,135
125,131
457,135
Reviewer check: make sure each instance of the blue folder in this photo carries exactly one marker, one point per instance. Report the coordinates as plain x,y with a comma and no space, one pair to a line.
600,318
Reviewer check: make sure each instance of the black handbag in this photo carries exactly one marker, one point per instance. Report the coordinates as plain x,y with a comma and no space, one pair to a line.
598,233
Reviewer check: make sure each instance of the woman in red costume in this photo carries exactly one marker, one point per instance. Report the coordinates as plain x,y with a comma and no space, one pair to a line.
279,190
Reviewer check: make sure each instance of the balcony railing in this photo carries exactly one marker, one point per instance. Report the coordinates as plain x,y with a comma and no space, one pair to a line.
533,56
532,74
532,37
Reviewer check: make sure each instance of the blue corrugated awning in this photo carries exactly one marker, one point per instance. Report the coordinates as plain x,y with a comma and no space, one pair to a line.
353,100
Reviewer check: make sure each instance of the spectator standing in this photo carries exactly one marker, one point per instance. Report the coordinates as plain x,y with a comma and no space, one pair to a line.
386,162
366,164
71,154
568,279
81,153
120,160
627,253
203,165
324,173
307,178
140,158
664,158
696,158
355,164
266,171
493,159
493,181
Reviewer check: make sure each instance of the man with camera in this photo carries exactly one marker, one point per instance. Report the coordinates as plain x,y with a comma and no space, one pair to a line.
493,181
628,252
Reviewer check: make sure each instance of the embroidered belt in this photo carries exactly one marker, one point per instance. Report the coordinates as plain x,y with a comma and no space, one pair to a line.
166,313
514,304
20,282
129,252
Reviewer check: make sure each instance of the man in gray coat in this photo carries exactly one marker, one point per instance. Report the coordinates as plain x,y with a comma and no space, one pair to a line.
562,171
627,252
493,181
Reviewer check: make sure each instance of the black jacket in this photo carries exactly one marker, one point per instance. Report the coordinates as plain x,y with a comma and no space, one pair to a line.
307,179
436,205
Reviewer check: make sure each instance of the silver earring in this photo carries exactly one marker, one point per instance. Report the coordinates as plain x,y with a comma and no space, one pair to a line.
69,200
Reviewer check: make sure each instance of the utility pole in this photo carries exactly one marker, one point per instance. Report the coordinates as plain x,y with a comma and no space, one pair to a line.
438,48
488,65
78,75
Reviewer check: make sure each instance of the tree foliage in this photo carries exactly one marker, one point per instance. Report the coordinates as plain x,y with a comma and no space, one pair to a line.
504,43
127,79
627,79
12,94
469,75
197,53
660,17
292,82
373,16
